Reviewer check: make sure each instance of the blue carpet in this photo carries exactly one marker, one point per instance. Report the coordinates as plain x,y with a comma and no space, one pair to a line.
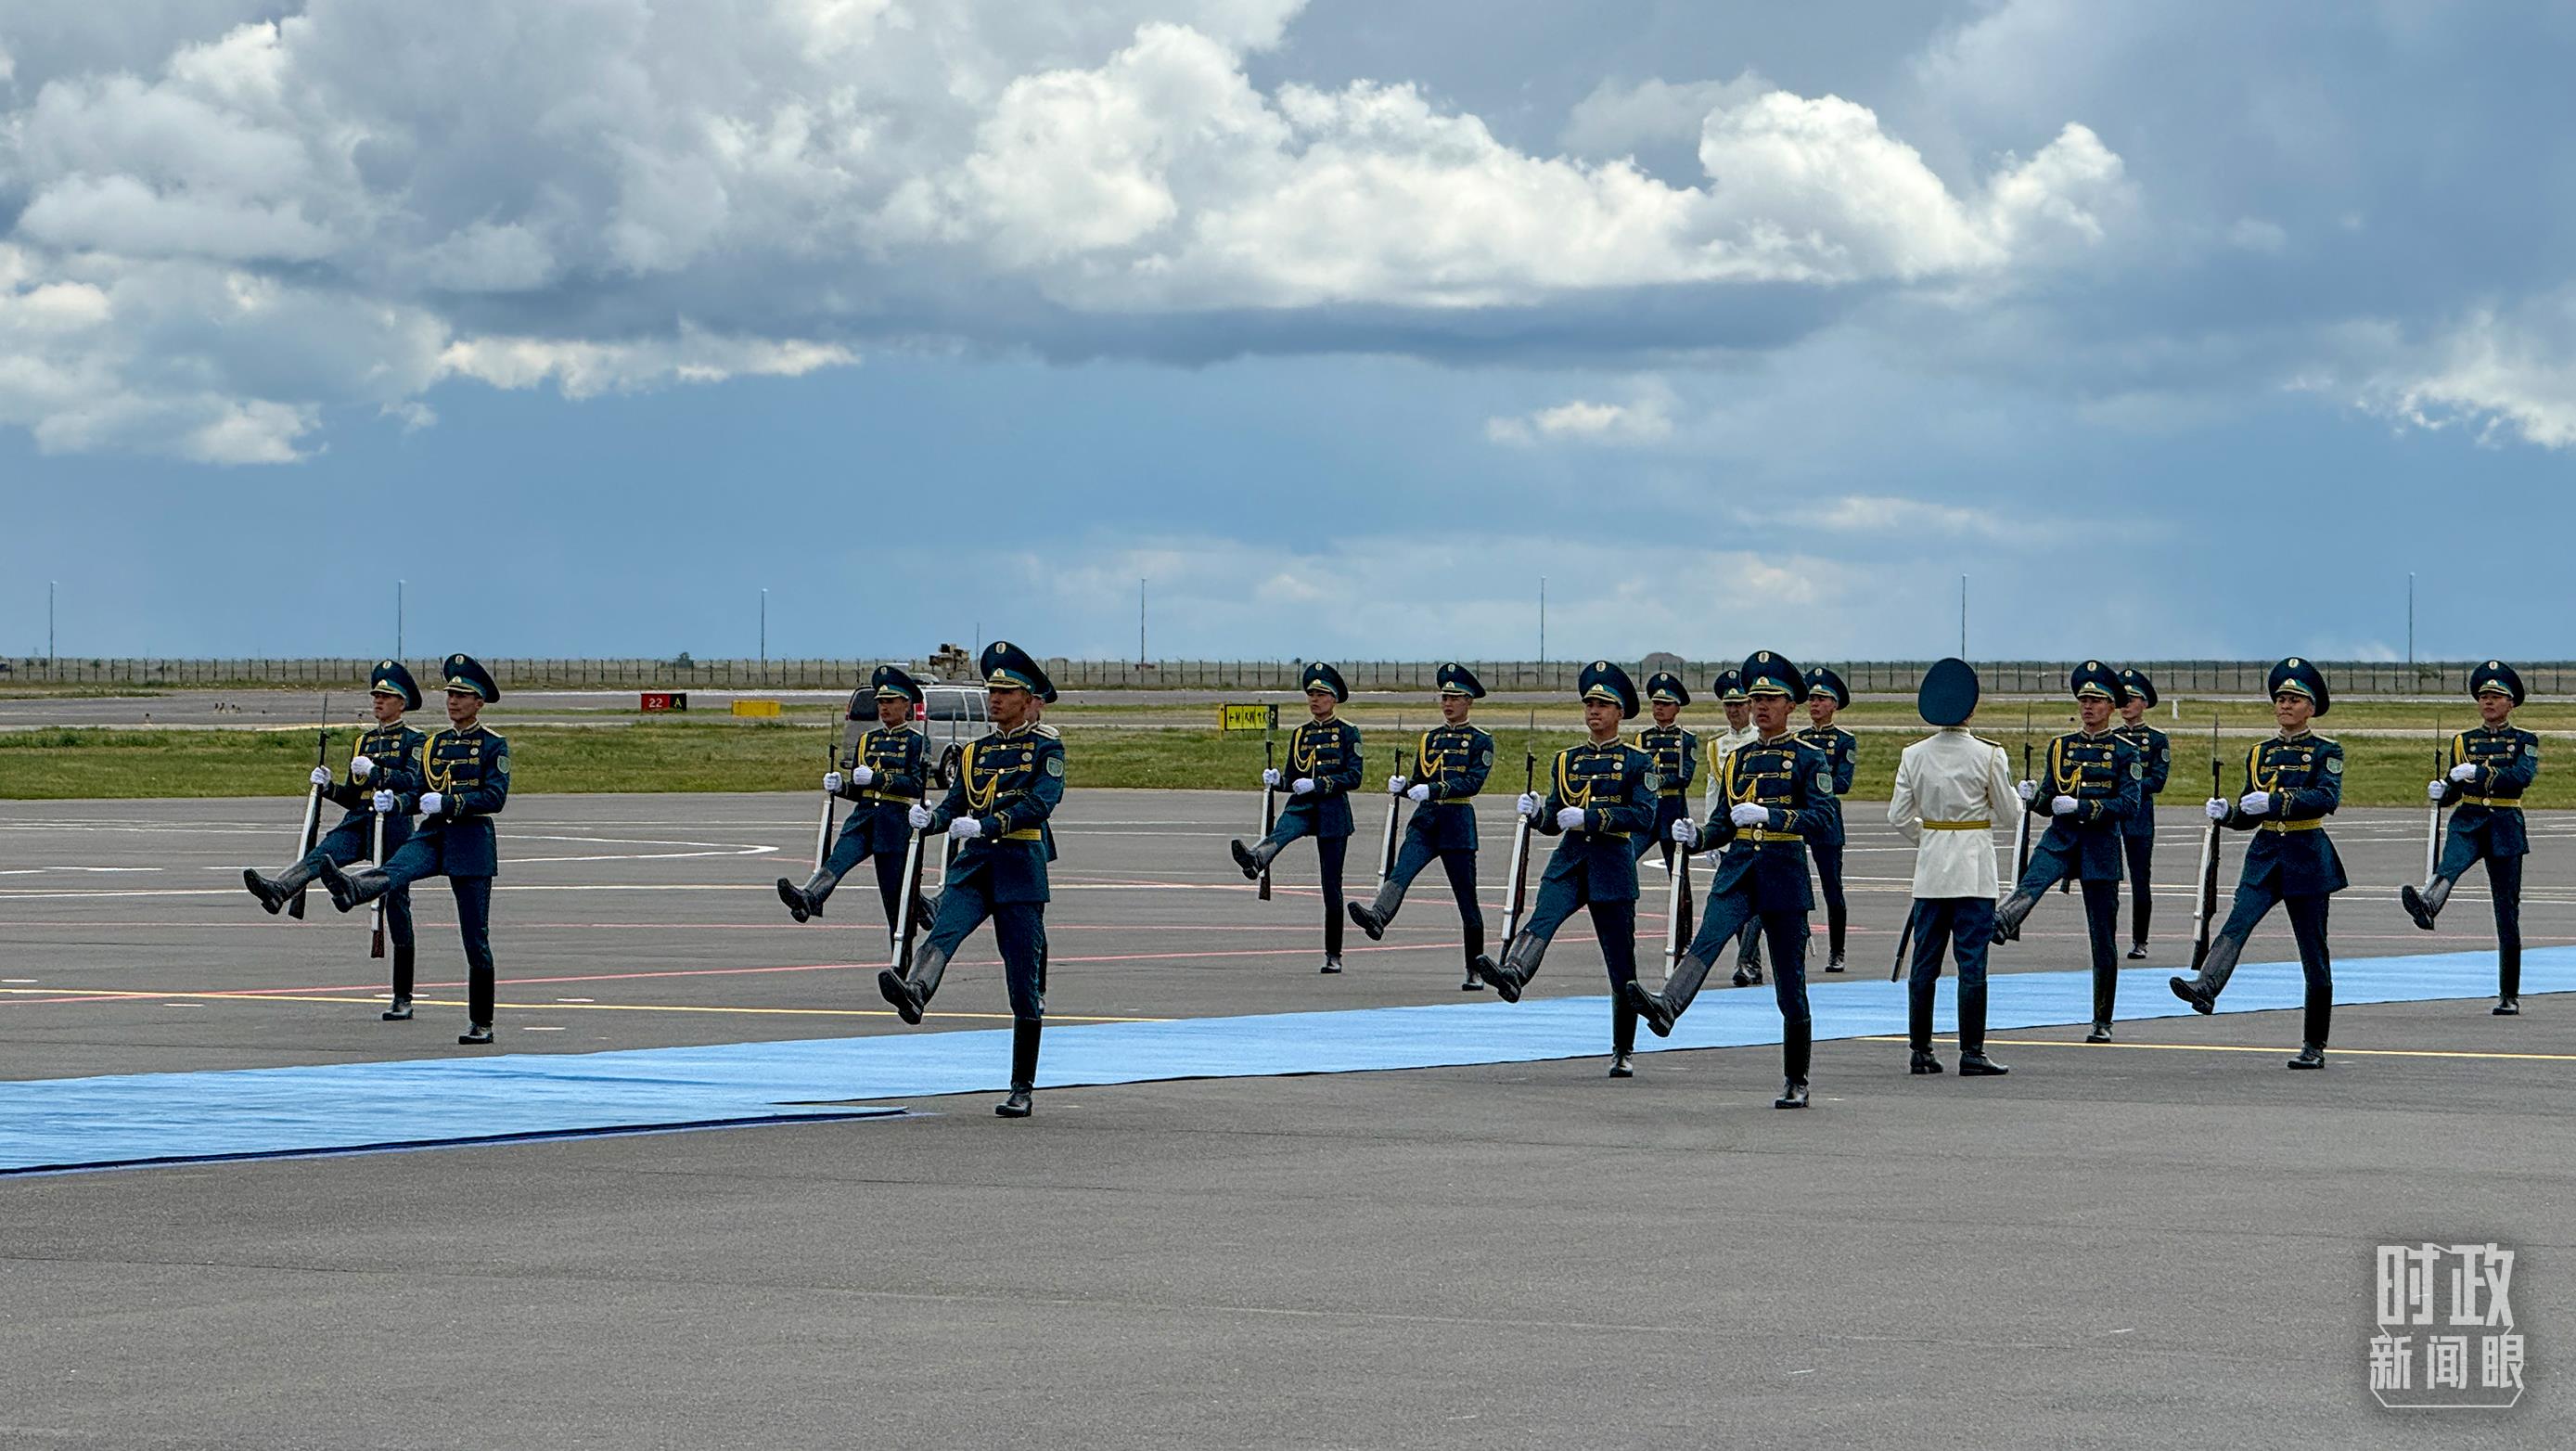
155,1118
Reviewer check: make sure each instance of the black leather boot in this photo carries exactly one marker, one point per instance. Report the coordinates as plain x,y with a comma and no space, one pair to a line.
2201,990
2425,905
1510,975
1978,1065
1923,1062
475,1034
275,892
2507,1008
910,992
1374,915
1793,1094
2311,1055
1024,1069
2101,1033
1250,859
2010,916
352,889
1660,1010
807,900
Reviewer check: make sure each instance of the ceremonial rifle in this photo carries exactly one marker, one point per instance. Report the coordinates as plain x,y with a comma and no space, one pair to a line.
2021,828
312,829
1517,894
1394,802
2433,829
1676,895
1269,793
2204,904
903,923
823,829
1905,938
376,849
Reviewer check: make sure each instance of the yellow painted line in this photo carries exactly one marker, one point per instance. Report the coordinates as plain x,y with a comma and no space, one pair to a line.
374,999
2331,1051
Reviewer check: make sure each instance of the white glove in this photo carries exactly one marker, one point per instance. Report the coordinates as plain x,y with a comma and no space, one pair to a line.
321,776
360,768
2432,790
1301,785
2216,808
2465,771
384,802
1395,785
2029,791
1529,805
965,828
1685,832
1569,818
1750,813
1421,792
2255,803
2063,805
1270,777
433,803
919,816
832,781
863,775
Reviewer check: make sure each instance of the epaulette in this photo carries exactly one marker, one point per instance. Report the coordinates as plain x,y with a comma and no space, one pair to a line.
1050,732
1981,740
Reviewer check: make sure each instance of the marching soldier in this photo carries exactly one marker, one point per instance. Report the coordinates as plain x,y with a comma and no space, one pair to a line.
1729,690
1826,694
2293,782
891,774
2491,767
1774,790
1601,794
1323,768
2092,786
1674,753
2138,828
1449,769
1007,786
384,776
1950,791
464,783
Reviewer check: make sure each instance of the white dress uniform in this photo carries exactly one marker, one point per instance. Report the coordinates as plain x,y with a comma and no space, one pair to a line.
1951,790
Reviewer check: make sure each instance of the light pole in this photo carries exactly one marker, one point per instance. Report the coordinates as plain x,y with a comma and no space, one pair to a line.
1140,621
49,622
2410,619
764,630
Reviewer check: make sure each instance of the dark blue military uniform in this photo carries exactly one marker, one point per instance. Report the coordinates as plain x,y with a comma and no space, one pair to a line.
1009,785
392,751
2103,776
1614,786
2289,861
2138,828
1450,765
1761,875
897,761
1841,750
467,770
2486,825
1326,755
1674,753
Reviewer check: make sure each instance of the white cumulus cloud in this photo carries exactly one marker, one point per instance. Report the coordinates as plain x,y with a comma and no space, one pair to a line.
350,203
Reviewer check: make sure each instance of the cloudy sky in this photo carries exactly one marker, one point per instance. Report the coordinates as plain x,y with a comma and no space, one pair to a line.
2181,327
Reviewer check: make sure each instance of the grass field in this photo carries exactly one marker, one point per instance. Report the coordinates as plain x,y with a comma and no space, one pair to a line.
722,754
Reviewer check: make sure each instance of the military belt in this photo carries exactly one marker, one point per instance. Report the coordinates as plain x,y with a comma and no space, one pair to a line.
888,797
2292,825
1958,826
1670,793
1769,837
2493,803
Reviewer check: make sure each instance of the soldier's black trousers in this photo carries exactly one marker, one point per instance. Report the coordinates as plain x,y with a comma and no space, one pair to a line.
1330,853
1829,876
1966,926
1460,865
2308,926
2141,853
1614,926
418,858
1019,934
347,844
1728,912
2101,922
2504,881
854,847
